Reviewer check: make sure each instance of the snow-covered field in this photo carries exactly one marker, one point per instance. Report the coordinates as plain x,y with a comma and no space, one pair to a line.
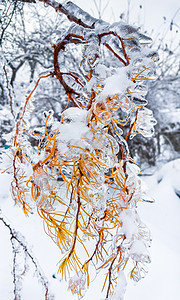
163,218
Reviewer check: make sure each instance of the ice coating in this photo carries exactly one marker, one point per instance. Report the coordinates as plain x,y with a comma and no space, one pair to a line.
81,175
75,10
120,287
145,123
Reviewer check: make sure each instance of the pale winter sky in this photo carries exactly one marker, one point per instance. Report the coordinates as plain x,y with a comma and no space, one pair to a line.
150,15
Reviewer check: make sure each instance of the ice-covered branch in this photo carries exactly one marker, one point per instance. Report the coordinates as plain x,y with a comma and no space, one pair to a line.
9,91
73,13
18,243
81,176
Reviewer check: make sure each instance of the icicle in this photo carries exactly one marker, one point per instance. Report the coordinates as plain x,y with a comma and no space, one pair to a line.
141,89
77,12
117,134
125,30
145,123
138,100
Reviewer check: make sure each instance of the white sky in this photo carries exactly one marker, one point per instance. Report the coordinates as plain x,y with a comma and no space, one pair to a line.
151,14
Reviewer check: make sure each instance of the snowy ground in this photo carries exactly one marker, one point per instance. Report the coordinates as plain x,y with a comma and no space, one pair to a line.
162,217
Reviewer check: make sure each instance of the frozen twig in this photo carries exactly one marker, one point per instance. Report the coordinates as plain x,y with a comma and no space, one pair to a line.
9,91
73,13
17,238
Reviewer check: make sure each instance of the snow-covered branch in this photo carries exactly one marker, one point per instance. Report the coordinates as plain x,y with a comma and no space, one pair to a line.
20,248
80,174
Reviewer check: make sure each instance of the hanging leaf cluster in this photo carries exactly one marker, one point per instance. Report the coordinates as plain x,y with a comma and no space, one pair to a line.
81,176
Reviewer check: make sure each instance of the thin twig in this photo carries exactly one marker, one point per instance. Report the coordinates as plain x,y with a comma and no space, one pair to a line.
115,54
70,38
122,44
132,125
10,19
76,227
15,236
25,105
9,92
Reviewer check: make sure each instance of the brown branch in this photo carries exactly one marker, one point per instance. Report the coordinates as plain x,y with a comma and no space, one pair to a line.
74,39
27,99
124,51
95,250
76,229
70,202
77,220
111,269
89,220
115,54
93,95
122,44
21,115
110,276
132,125
17,190
75,78
71,17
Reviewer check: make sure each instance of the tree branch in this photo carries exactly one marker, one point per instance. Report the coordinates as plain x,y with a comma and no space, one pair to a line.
70,38
9,92
10,19
15,236
73,13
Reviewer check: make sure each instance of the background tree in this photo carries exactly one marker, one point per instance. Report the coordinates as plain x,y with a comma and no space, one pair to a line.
30,49
72,60
163,96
